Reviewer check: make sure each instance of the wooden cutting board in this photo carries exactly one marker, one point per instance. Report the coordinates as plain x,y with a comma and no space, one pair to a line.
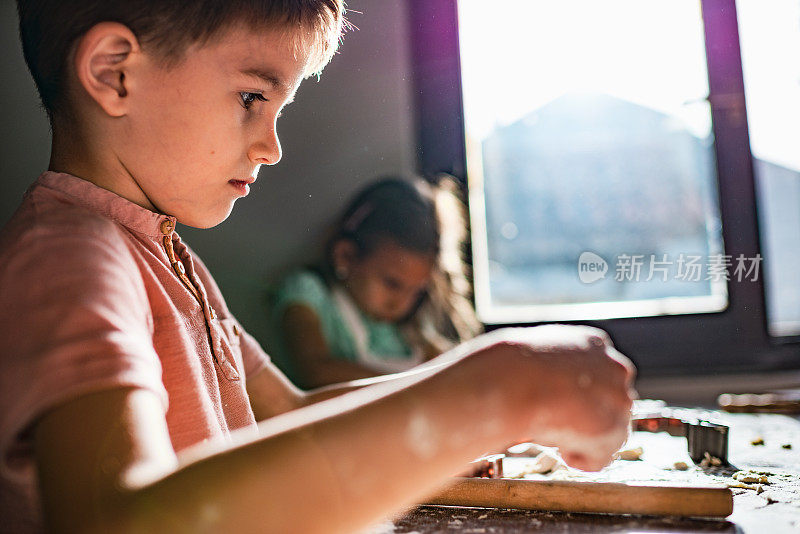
589,497
651,486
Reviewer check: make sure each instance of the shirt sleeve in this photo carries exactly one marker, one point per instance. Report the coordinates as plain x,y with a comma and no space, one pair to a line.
74,319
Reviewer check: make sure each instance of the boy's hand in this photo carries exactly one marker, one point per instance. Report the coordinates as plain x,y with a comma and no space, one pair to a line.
576,389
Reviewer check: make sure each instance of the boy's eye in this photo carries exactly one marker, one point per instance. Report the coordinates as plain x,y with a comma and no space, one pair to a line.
248,98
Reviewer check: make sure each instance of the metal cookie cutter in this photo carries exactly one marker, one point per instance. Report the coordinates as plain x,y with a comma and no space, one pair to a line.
490,466
703,437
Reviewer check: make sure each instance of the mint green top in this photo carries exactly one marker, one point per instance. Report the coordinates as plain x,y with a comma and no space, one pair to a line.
308,288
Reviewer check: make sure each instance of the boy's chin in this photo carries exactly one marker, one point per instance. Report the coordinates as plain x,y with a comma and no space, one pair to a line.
206,220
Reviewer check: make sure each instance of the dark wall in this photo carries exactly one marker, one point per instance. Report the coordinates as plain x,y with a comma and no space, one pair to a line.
353,124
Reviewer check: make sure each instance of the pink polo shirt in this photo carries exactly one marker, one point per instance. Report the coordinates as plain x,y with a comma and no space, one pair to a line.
91,300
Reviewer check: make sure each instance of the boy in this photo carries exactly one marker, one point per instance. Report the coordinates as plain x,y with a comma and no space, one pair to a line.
129,395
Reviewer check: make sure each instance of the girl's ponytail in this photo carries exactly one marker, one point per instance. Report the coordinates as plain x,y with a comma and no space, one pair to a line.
446,317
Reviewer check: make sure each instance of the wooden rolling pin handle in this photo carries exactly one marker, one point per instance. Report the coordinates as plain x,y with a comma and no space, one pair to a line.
588,497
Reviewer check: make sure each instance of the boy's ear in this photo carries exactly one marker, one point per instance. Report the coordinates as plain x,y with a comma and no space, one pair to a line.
102,62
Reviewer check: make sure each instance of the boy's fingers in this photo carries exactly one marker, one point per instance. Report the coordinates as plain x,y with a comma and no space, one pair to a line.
625,363
576,460
585,463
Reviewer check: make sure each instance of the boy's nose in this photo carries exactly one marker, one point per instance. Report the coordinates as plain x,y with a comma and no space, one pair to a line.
266,149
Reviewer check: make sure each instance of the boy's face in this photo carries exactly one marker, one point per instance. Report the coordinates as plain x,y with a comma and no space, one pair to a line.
196,134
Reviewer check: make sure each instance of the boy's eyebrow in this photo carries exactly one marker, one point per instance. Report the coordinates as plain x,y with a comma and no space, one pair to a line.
271,78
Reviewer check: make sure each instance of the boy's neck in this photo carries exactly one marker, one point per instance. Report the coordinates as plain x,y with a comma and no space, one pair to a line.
86,158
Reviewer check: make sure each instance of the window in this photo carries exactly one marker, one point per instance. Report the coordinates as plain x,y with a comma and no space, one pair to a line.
770,44
590,162
617,130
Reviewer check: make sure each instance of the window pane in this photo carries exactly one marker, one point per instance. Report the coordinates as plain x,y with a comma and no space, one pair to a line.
589,147
770,44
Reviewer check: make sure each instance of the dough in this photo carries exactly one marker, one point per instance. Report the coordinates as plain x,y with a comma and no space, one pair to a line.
630,455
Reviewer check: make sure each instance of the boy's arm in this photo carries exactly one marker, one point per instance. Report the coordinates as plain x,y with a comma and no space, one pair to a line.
334,390
325,468
88,451
272,393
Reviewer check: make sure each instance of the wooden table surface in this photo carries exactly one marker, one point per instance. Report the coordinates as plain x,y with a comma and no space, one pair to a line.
773,510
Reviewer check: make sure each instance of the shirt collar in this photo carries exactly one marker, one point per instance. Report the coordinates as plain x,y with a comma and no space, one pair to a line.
106,203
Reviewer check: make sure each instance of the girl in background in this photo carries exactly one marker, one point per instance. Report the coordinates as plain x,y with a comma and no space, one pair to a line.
390,293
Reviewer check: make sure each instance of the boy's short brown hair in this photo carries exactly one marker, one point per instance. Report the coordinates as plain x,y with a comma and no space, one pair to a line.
49,29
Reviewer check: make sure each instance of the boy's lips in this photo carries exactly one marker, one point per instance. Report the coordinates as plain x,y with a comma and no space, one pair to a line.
242,186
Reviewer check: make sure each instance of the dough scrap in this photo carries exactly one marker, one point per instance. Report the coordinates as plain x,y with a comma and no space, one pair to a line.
750,477
545,462
630,455
710,461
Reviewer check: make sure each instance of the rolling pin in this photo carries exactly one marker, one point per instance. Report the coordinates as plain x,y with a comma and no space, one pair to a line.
587,497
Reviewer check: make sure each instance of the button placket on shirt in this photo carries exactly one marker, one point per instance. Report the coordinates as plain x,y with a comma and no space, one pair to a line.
167,227
196,288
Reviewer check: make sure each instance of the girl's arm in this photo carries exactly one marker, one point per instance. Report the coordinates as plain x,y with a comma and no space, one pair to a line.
105,461
272,393
310,352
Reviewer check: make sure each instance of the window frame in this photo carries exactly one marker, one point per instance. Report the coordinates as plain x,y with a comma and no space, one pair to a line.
734,340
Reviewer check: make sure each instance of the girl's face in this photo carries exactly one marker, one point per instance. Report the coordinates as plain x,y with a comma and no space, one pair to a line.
386,283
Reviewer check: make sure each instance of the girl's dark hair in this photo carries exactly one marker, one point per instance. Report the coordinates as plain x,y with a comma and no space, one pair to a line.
427,218
391,208
49,30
